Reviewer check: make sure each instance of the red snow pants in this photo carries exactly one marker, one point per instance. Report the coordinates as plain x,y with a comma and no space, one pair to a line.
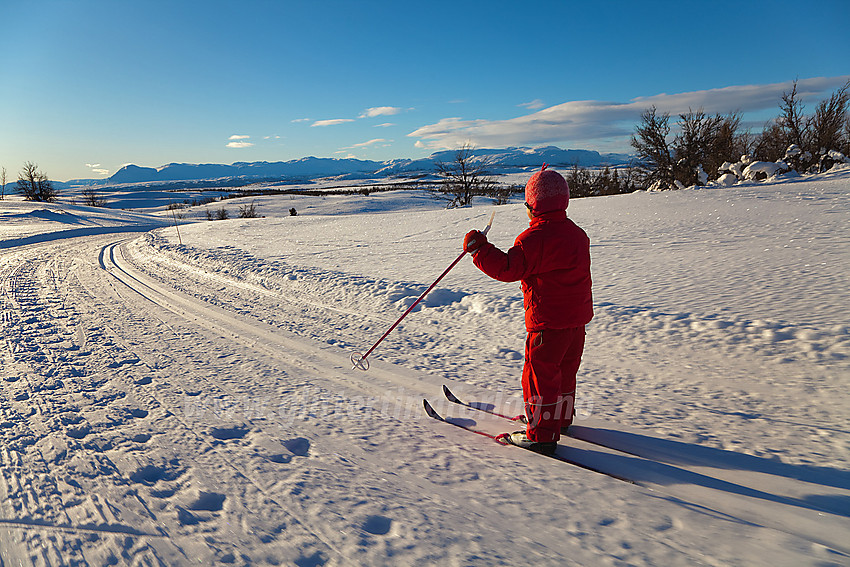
552,358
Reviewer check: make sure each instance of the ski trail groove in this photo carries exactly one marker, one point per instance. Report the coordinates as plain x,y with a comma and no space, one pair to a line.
36,498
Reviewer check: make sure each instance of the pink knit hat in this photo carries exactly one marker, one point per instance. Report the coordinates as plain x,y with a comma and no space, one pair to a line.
547,190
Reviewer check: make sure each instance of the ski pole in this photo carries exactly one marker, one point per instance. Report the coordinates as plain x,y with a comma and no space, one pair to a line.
360,360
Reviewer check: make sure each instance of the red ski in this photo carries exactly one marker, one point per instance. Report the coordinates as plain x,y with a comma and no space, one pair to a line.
500,439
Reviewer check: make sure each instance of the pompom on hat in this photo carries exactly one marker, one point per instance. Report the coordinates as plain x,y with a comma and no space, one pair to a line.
547,190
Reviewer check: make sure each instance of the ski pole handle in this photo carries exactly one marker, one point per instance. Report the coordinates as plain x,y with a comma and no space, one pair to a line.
489,224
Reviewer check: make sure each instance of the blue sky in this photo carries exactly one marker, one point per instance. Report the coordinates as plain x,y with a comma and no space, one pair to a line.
91,85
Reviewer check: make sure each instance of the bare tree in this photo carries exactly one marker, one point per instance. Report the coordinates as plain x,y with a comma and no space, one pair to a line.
693,144
793,122
247,211
2,183
655,159
34,184
705,142
92,198
727,144
464,178
828,121
846,148
814,136
771,143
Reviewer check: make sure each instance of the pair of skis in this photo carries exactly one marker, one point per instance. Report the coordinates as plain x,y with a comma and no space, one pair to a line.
501,438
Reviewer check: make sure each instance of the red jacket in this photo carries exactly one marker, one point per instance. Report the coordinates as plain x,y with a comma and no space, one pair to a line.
552,259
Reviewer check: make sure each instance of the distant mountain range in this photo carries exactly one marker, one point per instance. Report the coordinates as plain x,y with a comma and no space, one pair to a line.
501,161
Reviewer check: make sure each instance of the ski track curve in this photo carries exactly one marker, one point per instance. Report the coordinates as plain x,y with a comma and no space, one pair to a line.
130,435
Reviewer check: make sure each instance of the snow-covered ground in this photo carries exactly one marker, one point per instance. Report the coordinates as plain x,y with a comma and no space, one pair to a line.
190,400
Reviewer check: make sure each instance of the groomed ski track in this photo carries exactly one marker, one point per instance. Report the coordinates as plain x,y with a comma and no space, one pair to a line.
142,425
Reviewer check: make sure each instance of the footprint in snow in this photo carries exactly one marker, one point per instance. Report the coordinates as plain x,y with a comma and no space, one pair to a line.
229,433
299,446
377,525
314,560
148,474
79,431
207,501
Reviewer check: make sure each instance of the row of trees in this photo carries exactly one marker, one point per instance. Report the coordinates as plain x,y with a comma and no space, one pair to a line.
467,176
702,143
587,183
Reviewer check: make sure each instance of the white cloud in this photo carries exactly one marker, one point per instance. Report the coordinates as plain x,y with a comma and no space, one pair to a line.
604,120
332,122
238,137
384,125
535,104
380,111
369,143
301,120
95,168
239,144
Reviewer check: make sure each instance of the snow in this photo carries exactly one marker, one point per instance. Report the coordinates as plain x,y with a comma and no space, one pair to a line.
190,400
24,223
727,180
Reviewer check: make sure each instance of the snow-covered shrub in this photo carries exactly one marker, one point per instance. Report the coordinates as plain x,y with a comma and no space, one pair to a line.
830,159
796,158
759,170
727,179
750,170
658,185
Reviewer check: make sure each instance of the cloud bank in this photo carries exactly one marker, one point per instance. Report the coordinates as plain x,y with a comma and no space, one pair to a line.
592,120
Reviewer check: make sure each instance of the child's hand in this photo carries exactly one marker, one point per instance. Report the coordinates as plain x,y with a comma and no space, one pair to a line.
474,240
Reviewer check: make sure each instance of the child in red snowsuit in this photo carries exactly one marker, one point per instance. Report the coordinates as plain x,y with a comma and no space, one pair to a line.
552,260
